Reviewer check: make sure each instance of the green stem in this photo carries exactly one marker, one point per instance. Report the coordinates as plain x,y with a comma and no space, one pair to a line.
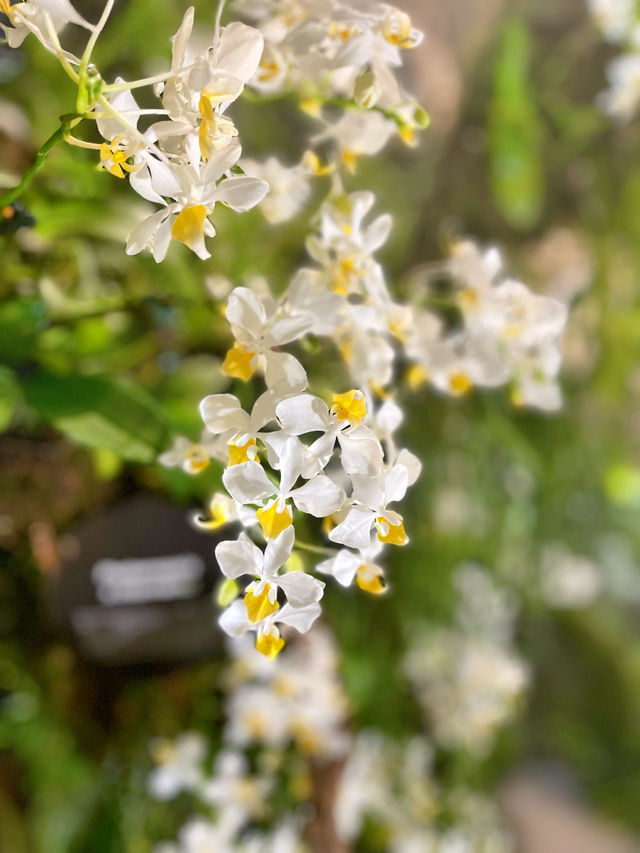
66,123
314,549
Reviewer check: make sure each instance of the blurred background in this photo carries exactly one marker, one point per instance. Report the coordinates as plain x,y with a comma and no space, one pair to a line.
525,540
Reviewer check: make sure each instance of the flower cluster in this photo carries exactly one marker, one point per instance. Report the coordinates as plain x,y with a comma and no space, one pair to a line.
507,334
186,159
336,458
286,721
346,472
619,24
339,54
468,679
296,701
391,786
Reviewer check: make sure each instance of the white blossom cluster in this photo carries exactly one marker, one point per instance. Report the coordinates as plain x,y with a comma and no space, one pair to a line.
185,160
391,785
348,472
340,53
295,701
337,460
507,334
619,24
468,678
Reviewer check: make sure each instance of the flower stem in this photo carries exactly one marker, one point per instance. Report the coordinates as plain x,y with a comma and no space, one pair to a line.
66,123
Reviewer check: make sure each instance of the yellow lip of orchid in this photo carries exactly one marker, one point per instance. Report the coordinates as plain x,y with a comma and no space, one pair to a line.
188,226
114,160
273,521
269,644
211,122
460,383
218,515
239,453
259,606
197,459
239,363
391,534
350,406
370,578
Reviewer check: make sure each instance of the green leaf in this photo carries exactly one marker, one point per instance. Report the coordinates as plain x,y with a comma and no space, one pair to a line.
20,322
101,411
9,396
517,179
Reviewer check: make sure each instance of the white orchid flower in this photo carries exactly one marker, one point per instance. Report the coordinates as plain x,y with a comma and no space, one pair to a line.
307,296
242,557
39,17
193,457
289,188
361,452
344,247
347,566
370,506
258,333
179,765
224,416
234,621
248,483
196,189
201,87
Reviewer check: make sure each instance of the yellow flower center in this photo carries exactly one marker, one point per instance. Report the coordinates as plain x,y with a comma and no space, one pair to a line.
341,31
269,645
259,606
370,578
398,30
350,406
350,159
114,160
460,383
312,163
391,534
188,226
239,363
197,459
218,515
239,453
272,521
416,376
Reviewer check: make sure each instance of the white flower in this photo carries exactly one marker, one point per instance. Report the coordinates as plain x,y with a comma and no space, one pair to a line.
179,765
196,189
242,557
345,245
37,16
622,98
361,452
235,622
370,499
289,188
201,87
224,416
259,329
348,566
614,18
192,457
248,483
